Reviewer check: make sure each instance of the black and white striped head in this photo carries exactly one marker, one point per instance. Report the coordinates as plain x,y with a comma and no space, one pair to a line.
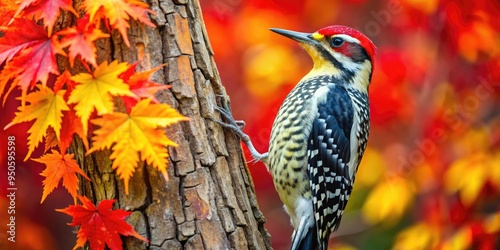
337,50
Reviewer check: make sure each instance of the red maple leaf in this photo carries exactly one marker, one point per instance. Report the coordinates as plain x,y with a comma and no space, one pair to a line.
48,10
15,40
71,125
30,56
100,225
80,39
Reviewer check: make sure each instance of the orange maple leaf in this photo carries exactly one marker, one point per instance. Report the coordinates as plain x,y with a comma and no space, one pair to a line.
80,39
46,109
60,166
48,10
96,91
30,55
100,226
50,139
118,12
64,80
134,133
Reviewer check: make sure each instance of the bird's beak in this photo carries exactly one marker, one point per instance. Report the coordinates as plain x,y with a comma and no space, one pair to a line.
297,36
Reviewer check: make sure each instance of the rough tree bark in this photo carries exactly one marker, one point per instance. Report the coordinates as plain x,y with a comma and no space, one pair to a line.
209,201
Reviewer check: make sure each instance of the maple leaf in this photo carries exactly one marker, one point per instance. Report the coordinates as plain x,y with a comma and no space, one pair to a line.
7,10
96,90
46,108
50,139
100,225
14,41
70,124
118,12
64,80
48,10
137,132
60,166
141,85
80,39
30,56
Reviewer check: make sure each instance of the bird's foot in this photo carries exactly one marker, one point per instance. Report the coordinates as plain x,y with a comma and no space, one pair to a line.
234,125
237,127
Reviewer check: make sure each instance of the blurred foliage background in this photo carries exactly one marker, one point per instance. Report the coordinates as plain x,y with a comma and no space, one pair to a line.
430,178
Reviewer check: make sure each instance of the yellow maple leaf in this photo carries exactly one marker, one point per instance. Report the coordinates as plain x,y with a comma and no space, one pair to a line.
97,90
138,132
45,107
60,166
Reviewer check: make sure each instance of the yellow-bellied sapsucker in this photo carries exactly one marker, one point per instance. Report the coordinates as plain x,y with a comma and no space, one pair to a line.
320,133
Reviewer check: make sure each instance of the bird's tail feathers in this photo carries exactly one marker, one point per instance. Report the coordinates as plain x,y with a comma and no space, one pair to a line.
305,237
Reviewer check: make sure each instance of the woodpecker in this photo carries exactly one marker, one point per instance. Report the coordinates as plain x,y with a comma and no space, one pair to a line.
320,133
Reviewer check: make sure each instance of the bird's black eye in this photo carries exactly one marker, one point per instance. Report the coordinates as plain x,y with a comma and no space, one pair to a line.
337,42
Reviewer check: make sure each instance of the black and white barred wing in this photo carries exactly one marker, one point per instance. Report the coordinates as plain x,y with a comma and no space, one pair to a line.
328,155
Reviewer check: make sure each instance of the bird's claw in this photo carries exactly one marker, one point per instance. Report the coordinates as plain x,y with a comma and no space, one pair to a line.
227,115
240,123
237,128
232,124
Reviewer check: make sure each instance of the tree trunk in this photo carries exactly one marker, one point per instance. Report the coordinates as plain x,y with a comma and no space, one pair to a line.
209,201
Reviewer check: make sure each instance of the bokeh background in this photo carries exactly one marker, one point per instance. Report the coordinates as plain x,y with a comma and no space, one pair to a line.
430,178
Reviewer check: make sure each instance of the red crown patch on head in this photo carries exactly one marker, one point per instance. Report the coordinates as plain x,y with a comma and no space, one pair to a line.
340,29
